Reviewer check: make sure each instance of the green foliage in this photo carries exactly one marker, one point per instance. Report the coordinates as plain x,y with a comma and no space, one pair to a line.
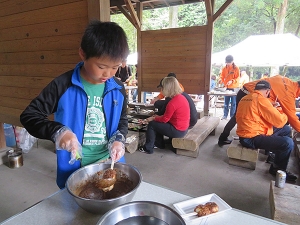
192,15
129,30
156,19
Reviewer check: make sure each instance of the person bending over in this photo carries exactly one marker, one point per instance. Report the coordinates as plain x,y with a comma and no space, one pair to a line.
284,91
261,125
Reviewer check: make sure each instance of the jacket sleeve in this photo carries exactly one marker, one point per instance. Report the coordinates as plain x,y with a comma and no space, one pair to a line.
123,124
288,107
167,115
271,114
35,117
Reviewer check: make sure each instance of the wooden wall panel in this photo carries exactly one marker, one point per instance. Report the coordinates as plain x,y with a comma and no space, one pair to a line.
39,40
178,50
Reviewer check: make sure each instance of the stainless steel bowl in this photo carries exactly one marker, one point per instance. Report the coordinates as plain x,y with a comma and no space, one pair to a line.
81,176
142,212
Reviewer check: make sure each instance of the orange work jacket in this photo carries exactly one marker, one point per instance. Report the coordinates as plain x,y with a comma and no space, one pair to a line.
161,95
256,115
230,72
286,91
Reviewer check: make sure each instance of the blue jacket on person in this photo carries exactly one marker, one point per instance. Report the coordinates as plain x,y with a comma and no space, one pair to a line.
66,99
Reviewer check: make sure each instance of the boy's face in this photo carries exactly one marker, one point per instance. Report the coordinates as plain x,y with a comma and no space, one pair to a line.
98,70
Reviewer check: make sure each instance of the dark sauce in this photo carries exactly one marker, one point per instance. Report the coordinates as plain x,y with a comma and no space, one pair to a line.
122,186
142,220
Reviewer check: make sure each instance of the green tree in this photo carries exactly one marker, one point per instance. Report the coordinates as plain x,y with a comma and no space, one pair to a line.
129,29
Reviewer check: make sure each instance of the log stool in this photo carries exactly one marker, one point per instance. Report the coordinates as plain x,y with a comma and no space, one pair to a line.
241,156
284,203
134,140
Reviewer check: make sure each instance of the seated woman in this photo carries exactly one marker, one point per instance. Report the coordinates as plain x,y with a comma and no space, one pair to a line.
173,123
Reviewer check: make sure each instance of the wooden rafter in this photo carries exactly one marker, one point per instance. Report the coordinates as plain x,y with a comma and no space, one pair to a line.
222,9
151,5
167,4
209,8
136,21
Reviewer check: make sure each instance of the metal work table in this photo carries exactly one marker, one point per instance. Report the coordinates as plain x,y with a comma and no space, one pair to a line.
61,208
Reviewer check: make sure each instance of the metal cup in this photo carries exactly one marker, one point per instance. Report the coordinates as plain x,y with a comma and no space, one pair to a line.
137,109
15,158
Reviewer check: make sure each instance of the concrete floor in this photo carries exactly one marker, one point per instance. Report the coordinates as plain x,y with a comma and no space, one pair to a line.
241,188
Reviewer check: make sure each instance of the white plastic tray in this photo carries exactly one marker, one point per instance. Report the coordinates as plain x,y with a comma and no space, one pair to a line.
188,206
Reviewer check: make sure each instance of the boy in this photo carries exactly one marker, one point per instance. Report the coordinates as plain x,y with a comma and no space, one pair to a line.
88,103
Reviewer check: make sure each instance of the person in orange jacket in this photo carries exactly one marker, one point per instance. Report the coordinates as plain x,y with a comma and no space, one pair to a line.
230,76
284,91
261,125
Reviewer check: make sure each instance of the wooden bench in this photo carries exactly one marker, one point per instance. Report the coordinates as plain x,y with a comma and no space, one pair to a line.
241,156
284,203
189,144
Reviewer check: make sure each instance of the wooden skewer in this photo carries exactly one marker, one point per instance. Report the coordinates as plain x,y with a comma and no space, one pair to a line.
188,215
112,164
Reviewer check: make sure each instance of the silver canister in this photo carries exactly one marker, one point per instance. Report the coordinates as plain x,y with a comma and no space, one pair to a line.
280,179
137,109
15,158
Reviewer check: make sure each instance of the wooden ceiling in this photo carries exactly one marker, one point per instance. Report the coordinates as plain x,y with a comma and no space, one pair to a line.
148,4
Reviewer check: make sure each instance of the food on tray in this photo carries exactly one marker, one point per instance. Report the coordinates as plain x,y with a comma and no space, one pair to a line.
134,126
208,208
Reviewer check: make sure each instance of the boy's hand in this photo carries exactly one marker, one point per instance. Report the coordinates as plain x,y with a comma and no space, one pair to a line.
117,151
67,140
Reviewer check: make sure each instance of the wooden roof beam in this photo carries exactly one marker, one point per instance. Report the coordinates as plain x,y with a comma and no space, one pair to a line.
126,14
222,9
136,21
167,4
151,5
209,4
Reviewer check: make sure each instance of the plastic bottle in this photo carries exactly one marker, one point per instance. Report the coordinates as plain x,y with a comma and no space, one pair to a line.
9,135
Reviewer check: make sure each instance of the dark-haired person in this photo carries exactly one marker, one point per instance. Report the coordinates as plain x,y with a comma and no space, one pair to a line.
284,91
230,77
124,72
173,123
261,125
89,104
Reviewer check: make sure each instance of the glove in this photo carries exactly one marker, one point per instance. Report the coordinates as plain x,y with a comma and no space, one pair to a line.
116,151
67,140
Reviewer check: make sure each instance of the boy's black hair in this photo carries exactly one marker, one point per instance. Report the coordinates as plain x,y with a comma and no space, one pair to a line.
106,39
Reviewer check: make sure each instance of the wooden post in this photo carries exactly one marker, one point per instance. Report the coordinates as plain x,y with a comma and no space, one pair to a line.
139,11
2,137
98,10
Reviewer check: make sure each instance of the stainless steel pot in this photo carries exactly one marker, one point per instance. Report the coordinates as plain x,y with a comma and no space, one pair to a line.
81,176
15,158
142,212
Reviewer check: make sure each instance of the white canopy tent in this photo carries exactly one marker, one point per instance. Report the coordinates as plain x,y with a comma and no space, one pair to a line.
263,51
132,59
